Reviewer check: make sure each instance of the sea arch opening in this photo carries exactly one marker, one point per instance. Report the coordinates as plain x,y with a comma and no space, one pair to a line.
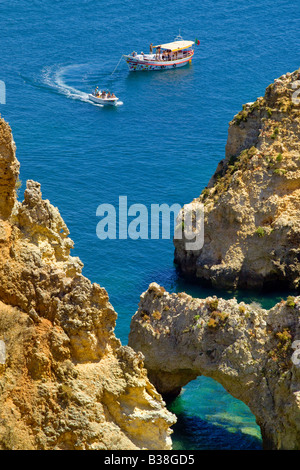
210,418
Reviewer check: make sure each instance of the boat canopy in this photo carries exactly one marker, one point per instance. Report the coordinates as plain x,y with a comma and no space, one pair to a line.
176,45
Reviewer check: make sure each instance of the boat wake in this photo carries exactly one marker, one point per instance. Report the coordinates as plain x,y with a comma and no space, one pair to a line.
57,81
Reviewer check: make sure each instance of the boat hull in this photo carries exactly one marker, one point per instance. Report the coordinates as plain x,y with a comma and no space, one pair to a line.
104,101
136,64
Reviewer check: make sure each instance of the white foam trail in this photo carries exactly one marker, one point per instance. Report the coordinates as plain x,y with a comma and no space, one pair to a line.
56,80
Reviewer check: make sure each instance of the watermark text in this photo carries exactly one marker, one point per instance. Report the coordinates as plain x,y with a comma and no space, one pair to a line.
2,92
164,222
295,95
2,352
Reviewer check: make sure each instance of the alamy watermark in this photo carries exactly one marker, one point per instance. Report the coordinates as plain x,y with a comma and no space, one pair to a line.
2,352
296,353
2,92
164,221
295,95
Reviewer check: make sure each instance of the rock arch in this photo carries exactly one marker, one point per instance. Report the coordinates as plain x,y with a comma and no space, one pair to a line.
245,348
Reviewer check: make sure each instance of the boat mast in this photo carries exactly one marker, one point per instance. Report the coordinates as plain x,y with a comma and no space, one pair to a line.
179,37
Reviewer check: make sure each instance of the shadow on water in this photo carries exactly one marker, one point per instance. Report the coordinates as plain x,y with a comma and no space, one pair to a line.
267,297
173,281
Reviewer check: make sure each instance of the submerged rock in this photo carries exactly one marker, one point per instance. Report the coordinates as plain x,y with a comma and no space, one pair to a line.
252,202
66,382
247,349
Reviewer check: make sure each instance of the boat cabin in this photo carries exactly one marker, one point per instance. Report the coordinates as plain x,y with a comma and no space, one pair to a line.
173,50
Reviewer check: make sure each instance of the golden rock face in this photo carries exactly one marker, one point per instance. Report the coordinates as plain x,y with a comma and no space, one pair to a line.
252,202
66,382
247,349
9,170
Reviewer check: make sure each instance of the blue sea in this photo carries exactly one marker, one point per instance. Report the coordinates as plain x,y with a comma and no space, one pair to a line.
160,146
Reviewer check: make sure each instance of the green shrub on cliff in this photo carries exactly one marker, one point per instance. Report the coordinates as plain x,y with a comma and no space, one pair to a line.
242,309
212,304
217,319
242,116
205,193
269,111
290,302
18,186
275,133
260,232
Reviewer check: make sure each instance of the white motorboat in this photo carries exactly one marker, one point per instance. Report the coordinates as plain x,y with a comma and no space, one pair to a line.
103,98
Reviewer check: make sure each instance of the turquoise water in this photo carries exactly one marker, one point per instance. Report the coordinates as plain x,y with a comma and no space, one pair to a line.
161,146
210,421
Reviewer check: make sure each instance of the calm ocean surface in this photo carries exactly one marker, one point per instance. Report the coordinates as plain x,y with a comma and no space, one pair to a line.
161,146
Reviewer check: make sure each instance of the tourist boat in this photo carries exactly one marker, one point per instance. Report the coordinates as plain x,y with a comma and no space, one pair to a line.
165,56
103,98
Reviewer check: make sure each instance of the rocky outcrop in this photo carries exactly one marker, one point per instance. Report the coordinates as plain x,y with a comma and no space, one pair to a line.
252,203
66,381
9,170
247,349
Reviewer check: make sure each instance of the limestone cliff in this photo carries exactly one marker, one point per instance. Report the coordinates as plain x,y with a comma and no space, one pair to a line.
9,170
247,349
252,203
66,381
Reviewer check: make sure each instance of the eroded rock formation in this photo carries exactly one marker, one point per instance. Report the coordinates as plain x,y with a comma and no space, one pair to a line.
66,383
9,170
252,203
245,348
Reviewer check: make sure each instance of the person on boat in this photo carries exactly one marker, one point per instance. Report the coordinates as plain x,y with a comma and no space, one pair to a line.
113,95
103,95
151,48
96,91
108,95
